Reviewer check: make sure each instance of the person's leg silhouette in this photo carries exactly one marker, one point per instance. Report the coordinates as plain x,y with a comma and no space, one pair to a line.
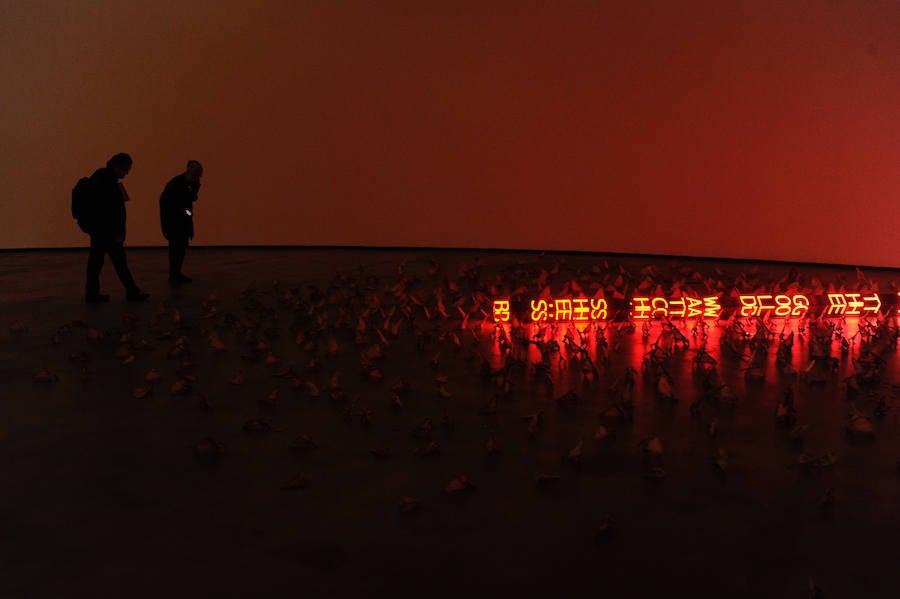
94,266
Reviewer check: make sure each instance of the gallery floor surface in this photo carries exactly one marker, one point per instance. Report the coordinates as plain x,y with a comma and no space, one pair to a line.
446,423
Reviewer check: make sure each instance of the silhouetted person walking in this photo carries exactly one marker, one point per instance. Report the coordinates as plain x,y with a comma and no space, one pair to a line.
107,230
176,214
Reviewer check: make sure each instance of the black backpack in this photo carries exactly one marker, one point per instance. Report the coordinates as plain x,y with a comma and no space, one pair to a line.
83,203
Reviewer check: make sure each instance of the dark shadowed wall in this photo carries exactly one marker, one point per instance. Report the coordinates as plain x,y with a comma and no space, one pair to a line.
750,129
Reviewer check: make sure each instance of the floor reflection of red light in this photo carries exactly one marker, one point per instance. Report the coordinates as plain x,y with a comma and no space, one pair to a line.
571,352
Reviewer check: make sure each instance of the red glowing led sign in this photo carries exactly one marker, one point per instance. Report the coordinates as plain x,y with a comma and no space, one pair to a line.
586,310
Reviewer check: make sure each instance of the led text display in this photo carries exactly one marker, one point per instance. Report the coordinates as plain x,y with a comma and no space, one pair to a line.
586,310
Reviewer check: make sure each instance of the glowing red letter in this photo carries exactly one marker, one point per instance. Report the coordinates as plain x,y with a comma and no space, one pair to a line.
501,310
538,310
660,308
837,304
801,305
598,309
580,308
749,305
853,303
712,307
640,308
563,309
692,307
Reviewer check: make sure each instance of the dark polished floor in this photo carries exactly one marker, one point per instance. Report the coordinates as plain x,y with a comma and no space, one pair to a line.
245,465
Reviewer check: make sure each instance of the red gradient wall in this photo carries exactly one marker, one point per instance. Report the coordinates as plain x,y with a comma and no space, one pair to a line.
765,130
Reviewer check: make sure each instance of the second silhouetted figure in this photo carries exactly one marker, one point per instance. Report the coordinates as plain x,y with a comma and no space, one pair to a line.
176,214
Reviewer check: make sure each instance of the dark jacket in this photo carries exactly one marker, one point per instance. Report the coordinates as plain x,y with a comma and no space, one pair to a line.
176,207
108,213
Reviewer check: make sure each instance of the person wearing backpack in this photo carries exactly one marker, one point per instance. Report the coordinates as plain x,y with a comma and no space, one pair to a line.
105,223
176,215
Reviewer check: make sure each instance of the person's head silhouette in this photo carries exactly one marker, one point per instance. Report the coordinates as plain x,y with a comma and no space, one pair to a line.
194,171
119,165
